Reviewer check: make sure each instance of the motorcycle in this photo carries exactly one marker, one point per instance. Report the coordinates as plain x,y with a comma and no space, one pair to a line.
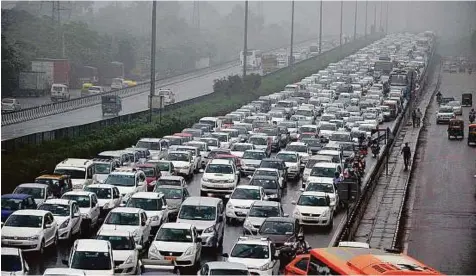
438,98
375,151
287,253
471,118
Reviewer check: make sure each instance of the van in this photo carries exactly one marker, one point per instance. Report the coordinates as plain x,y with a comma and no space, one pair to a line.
59,92
80,171
92,256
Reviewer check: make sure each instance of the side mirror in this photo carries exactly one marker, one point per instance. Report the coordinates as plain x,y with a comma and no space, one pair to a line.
302,189
201,170
47,226
293,202
225,255
143,223
227,196
237,173
122,204
285,215
65,262
77,215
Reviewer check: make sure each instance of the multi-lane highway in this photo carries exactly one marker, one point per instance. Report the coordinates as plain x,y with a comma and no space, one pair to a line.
442,227
185,87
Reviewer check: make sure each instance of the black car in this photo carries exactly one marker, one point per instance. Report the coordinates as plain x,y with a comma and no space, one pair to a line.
270,185
280,230
314,144
274,163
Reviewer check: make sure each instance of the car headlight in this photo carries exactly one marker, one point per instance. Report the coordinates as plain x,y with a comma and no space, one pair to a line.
189,251
205,179
64,224
229,206
266,266
186,167
154,218
210,229
230,181
153,250
33,238
296,213
106,206
273,196
325,213
247,224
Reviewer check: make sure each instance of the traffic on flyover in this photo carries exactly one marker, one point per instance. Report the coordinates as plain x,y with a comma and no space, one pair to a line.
260,191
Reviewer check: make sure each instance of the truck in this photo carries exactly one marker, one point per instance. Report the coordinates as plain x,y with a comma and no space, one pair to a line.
110,71
269,63
56,70
32,84
83,74
314,50
253,59
168,97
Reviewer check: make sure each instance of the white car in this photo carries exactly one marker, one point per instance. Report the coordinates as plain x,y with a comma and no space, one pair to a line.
177,242
154,205
259,211
40,192
258,254
13,262
302,150
125,252
457,108
223,268
270,172
108,196
30,230
293,163
94,257
251,160
67,215
10,105
326,129
128,181
128,219
63,271
182,161
240,201
196,157
313,208
326,186
239,149
445,114
220,177
88,206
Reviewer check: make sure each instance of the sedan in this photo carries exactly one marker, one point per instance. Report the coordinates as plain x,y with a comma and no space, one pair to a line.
66,213
457,108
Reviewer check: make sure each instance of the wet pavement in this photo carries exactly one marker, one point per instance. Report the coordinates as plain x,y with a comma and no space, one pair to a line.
442,205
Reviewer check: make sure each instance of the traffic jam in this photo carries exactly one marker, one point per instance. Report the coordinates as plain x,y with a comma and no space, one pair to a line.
167,205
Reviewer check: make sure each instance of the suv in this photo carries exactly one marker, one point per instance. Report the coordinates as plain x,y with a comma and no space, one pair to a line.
157,147
125,250
80,170
128,180
108,197
292,160
102,168
220,177
128,219
154,205
183,162
314,208
258,254
93,256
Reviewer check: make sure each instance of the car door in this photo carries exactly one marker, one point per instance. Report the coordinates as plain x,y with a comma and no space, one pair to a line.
94,209
75,218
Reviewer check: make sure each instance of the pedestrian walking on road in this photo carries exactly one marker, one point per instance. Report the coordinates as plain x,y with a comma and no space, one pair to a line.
406,155
414,117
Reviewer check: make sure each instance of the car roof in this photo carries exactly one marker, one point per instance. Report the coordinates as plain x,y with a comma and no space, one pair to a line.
171,177
201,201
113,232
103,186
31,212
248,187
287,152
266,203
221,162
81,193
269,177
281,219
63,271
92,245
33,185
321,180
272,160
151,195
58,201
226,265
16,196
313,193
10,251
130,210
326,165
267,169
177,225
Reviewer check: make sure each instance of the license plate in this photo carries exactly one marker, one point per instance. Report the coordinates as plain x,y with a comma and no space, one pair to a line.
170,258
311,218
13,242
240,213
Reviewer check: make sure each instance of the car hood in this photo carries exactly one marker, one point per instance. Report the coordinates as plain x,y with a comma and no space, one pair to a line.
78,184
174,203
172,246
277,120
241,202
292,130
84,210
312,209
445,114
180,164
326,133
125,228
218,176
238,153
250,263
200,224
60,219
155,213
103,201
39,201
250,161
261,147
122,255
291,164
256,220
20,231
100,177
271,191
126,190
278,239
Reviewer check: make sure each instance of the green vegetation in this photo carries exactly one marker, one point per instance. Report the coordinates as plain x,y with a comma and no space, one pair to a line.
231,93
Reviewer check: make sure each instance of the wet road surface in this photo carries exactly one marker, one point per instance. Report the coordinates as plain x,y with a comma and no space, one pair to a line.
442,230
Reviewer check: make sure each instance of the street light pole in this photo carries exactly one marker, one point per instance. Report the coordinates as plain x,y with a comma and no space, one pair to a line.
245,46
381,13
366,13
375,16
320,27
386,19
291,57
152,58
341,20
355,21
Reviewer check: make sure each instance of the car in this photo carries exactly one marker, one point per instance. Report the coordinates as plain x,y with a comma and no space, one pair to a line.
10,105
125,252
212,143
206,213
239,149
67,215
166,167
302,150
270,185
445,114
93,90
63,271
93,256
240,201
293,163
152,174
325,185
174,196
102,168
235,159
196,156
259,211
313,208
13,262
457,108
261,142
313,144
129,219
275,163
257,253
220,177
30,230
80,170
177,243
298,266
251,160
108,197
280,230
172,180
155,206
326,129
40,192
128,181
183,162
14,202
223,268
88,206
270,172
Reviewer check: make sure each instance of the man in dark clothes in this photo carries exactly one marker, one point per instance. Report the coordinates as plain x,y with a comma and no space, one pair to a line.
406,155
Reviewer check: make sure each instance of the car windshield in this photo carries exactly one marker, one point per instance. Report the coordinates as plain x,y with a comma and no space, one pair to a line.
12,263
74,174
175,156
164,166
271,165
320,187
297,148
102,168
446,110
341,137
38,193
88,260
82,200
265,183
264,211
303,112
170,182
56,209
284,104
210,142
347,146
250,251
219,169
170,193
191,212
250,194
287,157
277,228
119,242
29,221
148,145
254,155
220,137
328,127
126,180
228,272
323,172
192,151
276,114
148,204
311,200
270,131
266,173
260,141
241,147
11,204
102,193
312,142
149,171
454,103
118,218
288,124
174,235
306,129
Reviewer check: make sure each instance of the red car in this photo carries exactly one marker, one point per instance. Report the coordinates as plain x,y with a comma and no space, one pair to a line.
152,174
298,266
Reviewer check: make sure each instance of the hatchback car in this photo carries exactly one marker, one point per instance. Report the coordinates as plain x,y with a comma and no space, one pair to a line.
270,185
240,201
259,211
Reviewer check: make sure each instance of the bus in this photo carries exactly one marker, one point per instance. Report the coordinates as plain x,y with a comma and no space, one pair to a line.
350,259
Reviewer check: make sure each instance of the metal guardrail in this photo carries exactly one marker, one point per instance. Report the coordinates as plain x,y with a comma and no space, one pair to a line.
73,131
45,110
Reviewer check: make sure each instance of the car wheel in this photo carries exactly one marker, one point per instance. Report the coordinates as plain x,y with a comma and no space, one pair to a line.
331,225
42,247
79,233
55,241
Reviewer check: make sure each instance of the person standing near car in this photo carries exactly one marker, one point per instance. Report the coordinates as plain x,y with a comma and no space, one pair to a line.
406,151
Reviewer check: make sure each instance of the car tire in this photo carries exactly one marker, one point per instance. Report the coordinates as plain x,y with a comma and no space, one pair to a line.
331,225
55,241
42,247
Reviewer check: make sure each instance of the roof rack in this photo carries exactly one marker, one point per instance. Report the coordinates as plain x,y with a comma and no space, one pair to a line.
102,159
